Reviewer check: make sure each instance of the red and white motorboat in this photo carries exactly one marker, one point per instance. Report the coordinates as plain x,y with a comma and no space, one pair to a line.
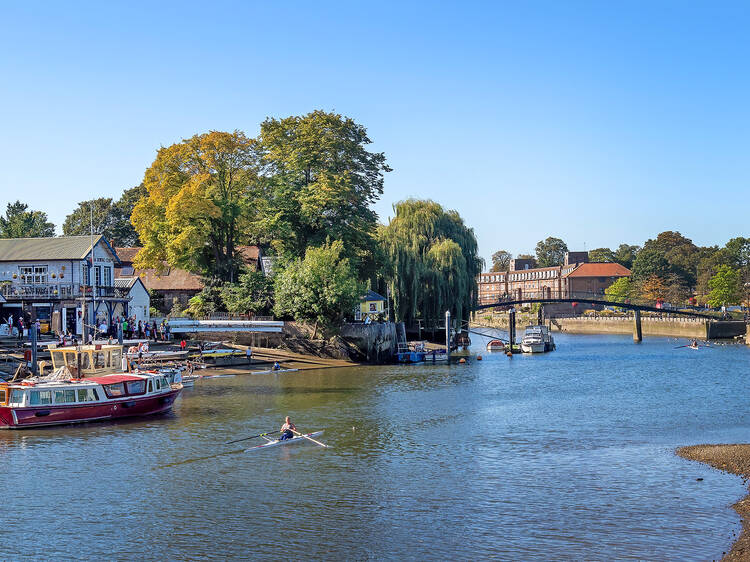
70,395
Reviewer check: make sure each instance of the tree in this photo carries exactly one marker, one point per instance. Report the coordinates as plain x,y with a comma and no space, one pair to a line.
620,290
625,255
550,252
322,287
433,262
110,218
650,262
202,196
124,233
651,288
205,303
726,287
19,222
601,255
253,293
501,260
80,221
525,257
322,183
679,252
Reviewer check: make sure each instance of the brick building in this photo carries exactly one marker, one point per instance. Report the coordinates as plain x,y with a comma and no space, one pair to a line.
576,275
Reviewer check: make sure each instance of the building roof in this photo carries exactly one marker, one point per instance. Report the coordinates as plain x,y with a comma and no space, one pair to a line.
124,282
53,248
372,296
600,270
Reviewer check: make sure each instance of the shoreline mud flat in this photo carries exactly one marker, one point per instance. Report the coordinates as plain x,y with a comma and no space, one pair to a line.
733,459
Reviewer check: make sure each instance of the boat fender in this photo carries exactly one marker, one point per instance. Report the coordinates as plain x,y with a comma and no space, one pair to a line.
42,413
479,357
462,360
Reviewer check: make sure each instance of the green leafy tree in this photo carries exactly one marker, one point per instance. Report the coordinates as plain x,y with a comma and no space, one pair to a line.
124,233
321,288
322,183
252,294
550,252
433,262
525,257
81,222
726,287
207,302
650,261
20,222
625,255
501,260
203,194
110,218
601,255
679,252
620,290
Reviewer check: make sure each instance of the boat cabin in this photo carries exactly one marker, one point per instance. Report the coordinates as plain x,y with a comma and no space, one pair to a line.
88,360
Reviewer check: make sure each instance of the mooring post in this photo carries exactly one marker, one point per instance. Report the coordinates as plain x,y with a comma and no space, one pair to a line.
540,315
32,340
448,332
637,333
512,328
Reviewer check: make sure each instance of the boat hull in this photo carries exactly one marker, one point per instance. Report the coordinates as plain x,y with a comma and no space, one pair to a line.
47,415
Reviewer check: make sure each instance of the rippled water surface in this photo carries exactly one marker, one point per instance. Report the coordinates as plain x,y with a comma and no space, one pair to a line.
568,455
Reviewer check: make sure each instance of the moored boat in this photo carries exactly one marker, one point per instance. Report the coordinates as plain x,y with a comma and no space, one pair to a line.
44,402
86,385
496,345
537,339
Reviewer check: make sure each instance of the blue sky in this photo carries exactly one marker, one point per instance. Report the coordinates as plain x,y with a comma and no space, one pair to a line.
597,122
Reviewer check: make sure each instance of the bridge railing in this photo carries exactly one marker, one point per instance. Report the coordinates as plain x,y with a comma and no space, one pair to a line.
546,294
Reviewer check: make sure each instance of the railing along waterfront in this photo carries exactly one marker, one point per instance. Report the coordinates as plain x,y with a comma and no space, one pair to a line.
13,291
520,296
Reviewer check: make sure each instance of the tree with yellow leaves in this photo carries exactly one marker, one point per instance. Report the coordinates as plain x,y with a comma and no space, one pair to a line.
199,204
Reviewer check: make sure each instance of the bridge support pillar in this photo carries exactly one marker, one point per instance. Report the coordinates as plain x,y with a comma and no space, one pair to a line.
637,332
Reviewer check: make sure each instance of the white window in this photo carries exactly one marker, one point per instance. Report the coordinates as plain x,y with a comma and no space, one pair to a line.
98,275
33,274
107,277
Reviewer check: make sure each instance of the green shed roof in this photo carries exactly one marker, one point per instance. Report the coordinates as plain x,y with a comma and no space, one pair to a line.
55,248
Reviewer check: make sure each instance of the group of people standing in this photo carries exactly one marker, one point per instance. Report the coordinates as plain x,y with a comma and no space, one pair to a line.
144,330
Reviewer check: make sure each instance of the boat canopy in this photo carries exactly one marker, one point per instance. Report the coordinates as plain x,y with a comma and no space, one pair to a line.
92,360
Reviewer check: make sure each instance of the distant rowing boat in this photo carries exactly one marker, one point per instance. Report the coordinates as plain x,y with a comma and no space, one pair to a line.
269,371
274,442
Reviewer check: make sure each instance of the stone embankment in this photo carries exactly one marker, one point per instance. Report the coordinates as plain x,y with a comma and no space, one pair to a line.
651,326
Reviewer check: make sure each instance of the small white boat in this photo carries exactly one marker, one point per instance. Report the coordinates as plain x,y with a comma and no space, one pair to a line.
537,339
273,442
269,371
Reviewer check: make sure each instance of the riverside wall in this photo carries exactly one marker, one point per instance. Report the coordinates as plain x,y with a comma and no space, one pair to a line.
377,341
652,326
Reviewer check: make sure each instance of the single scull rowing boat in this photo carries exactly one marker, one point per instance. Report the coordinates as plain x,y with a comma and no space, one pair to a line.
274,442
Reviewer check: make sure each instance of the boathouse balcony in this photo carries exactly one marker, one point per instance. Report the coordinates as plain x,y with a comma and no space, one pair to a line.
55,291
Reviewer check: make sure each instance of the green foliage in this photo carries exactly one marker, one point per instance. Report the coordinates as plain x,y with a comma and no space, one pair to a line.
19,222
550,252
601,255
110,218
525,257
726,287
650,261
501,260
252,294
322,183
205,303
681,255
620,290
322,287
625,255
433,262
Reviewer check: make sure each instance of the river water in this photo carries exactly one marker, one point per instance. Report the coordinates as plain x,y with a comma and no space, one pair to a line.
567,455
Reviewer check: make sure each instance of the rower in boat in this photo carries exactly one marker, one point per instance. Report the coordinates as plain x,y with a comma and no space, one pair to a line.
694,344
287,430
276,366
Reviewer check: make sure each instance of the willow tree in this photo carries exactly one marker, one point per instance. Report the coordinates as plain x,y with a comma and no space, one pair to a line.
201,199
433,262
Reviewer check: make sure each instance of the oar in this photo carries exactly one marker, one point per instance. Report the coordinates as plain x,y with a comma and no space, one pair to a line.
252,437
311,439
679,346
